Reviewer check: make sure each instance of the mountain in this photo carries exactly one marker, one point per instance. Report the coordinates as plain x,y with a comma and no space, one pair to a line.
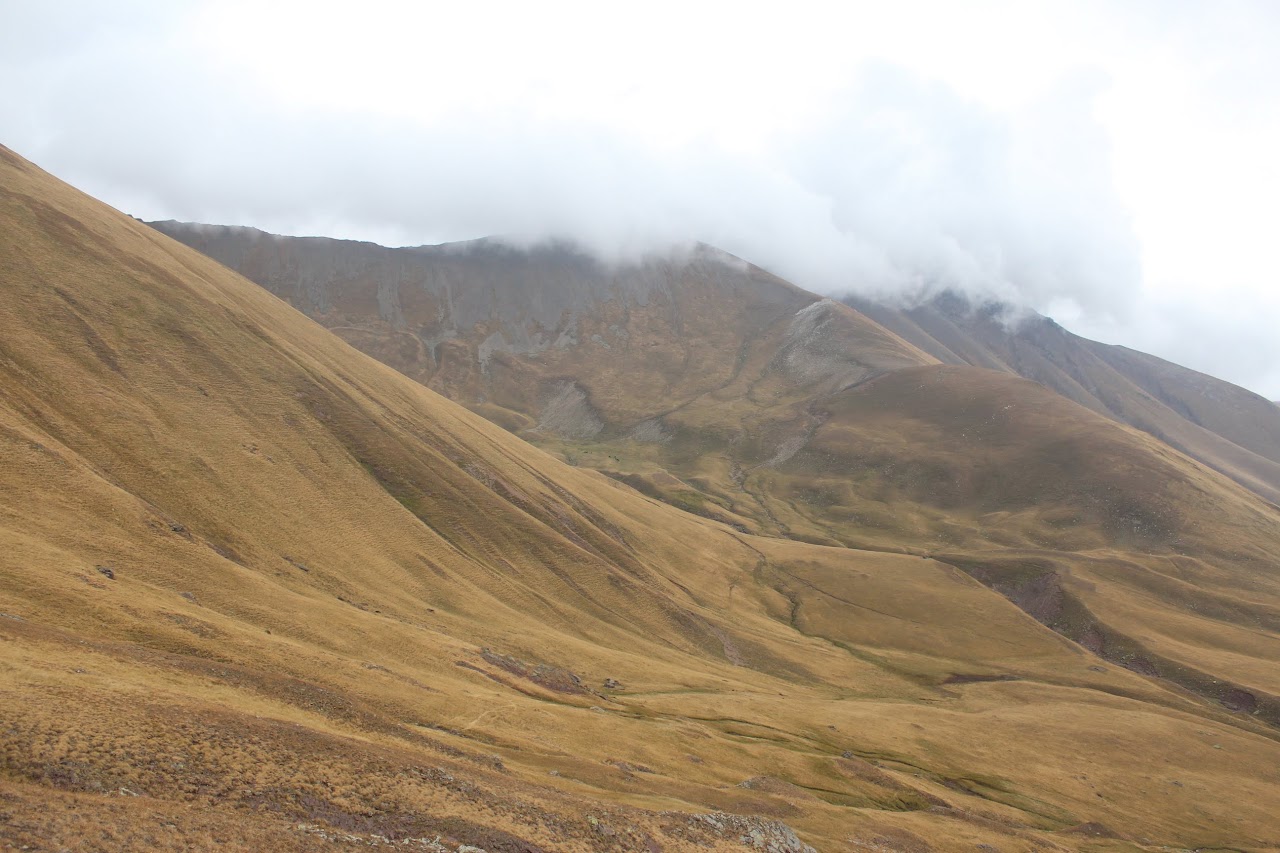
401,305
260,591
714,386
1222,425
500,328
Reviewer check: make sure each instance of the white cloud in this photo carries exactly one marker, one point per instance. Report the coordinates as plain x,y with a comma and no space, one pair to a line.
1077,156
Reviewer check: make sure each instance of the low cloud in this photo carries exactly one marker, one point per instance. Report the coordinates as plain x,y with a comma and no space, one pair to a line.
898,187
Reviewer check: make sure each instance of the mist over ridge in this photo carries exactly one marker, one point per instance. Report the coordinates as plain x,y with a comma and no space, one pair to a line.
1069,169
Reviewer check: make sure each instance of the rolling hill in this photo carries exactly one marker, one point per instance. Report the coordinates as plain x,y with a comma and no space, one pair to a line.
260,591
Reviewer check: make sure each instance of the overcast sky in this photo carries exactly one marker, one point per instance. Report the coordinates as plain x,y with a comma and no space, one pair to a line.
1110,164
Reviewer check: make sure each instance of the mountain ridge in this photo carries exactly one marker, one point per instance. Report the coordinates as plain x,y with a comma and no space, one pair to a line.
1227,427
1218,423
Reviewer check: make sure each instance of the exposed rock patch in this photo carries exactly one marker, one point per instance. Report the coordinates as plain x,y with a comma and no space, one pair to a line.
752,832
545,675
568,413
652,431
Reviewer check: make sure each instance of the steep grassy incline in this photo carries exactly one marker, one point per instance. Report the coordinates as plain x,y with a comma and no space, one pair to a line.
262,592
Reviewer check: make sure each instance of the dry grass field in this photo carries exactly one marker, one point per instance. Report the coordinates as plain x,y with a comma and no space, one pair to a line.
259,591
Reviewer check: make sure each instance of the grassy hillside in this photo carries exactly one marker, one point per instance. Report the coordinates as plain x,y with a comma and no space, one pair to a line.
260,591
1222,425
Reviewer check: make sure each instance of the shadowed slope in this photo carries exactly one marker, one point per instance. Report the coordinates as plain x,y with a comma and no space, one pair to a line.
1222,425
260,590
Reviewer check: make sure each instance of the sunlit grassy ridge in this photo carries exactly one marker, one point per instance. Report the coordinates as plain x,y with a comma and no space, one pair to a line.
261,590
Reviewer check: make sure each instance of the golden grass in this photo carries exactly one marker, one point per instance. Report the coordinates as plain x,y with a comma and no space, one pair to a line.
339,602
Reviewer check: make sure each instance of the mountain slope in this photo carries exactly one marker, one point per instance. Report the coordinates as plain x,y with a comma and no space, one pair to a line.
827,429
1228,428
500,328
261,590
